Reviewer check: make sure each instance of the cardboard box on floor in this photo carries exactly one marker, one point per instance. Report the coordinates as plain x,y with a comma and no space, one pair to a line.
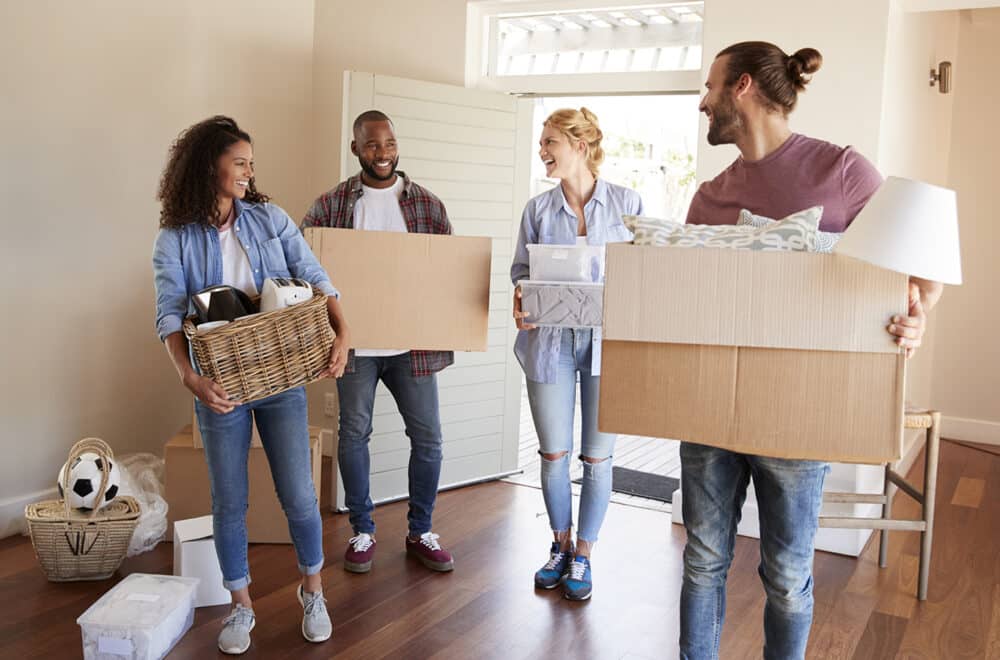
409,291
770,353
188,494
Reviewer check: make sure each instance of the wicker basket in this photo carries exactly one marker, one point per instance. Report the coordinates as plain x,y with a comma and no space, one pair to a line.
73,545
268,353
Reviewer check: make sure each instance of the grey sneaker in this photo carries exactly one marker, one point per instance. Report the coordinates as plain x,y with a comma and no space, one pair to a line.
235,636
316,626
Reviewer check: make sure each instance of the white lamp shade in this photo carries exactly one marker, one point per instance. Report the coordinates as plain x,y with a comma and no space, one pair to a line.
910,227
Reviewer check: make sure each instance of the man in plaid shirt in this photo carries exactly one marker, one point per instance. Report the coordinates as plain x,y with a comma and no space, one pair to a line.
383,199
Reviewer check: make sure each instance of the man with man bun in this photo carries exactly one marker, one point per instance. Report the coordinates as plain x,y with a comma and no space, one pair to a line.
751,89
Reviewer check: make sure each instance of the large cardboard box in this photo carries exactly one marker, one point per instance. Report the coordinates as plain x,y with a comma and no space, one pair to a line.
188,494
409,291
769,353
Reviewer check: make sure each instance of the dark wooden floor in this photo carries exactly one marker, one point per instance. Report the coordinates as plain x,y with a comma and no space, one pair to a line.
487,608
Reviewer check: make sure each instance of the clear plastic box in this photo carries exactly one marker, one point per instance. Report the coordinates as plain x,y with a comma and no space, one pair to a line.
565,263
563,304
142,617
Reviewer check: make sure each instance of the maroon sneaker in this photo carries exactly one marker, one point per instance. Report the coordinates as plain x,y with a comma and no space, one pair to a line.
360,552
429,552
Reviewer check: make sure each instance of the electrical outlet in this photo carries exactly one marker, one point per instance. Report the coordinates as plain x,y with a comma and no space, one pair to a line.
330,407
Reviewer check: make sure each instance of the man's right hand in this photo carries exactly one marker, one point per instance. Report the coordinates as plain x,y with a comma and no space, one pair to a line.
519,315
210,393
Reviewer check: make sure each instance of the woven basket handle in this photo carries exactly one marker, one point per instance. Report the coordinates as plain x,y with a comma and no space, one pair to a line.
103,450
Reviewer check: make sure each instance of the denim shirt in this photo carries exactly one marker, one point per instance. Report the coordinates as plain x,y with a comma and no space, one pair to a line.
188,259
549,219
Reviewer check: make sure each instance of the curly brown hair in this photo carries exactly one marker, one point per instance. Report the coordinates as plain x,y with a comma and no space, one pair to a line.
187,186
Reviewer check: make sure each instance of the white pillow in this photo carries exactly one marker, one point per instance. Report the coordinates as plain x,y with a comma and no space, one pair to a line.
796,232
825,240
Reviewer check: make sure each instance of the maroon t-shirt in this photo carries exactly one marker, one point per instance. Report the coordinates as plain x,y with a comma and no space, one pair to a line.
801,173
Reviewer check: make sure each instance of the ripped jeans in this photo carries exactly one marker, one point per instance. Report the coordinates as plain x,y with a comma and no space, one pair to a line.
552,409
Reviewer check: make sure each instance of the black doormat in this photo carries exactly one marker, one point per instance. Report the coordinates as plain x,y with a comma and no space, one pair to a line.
642,484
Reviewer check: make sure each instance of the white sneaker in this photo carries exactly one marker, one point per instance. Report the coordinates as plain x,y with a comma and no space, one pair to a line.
234,638
316,626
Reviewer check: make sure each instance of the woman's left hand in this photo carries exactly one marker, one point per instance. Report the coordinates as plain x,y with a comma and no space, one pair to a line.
909,330
338,356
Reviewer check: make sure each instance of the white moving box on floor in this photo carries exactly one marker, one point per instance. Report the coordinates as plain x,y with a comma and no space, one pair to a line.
141,618
194,556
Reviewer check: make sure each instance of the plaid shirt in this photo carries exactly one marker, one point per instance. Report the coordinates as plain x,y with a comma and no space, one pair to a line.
424,214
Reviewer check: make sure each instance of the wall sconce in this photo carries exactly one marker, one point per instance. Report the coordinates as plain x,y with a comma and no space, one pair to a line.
942,76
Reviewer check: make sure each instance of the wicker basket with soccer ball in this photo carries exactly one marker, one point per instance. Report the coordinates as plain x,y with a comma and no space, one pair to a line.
76,545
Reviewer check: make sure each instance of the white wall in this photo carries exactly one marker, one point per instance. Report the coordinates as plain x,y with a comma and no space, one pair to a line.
93,95
967,362
915,142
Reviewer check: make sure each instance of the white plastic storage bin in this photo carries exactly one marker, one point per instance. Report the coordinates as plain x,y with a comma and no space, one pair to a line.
141,617
566,263
563,304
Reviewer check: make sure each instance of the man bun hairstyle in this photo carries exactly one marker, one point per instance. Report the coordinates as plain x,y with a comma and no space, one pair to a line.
581,125
778,77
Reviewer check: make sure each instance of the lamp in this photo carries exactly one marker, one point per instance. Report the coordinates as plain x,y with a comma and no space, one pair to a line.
910,227
942,76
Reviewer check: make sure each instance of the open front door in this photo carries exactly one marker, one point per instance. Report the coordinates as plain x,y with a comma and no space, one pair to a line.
470,148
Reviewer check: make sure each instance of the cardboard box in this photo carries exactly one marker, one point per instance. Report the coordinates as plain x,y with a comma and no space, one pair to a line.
200,444
769,353
409,291
194,556
188,495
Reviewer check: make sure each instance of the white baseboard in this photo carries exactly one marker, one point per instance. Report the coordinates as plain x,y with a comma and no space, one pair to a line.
970,430
12,511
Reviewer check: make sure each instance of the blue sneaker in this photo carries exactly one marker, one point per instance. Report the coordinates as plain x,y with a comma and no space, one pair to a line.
550,575
579,584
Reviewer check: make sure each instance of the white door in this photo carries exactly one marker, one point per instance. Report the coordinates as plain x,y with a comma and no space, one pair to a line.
471,149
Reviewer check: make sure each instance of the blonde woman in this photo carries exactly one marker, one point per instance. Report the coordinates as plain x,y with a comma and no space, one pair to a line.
582,209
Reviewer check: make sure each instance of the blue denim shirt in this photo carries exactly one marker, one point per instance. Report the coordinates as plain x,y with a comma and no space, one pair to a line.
548,218
189,259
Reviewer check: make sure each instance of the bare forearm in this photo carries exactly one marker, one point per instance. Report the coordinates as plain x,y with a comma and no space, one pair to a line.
336,313
930,292
177,348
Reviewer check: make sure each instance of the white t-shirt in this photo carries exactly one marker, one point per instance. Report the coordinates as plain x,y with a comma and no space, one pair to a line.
378,210
236,271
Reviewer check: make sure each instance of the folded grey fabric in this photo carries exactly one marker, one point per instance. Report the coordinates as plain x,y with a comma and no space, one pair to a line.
565,305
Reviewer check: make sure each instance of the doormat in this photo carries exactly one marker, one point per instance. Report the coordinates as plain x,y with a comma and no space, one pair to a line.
642,484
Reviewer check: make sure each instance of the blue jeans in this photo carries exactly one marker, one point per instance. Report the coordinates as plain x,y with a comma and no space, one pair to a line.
552,408
789,495
417,400
284,432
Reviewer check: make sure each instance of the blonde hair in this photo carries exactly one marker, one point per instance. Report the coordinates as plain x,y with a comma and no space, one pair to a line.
580,125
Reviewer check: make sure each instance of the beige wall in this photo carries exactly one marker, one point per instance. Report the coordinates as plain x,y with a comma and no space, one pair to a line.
967,362
422,39
915,140
93,95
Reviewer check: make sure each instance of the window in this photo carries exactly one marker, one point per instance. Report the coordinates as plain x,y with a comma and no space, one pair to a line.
664,37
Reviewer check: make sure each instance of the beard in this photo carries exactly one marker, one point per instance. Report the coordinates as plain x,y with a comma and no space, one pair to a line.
368,168
726,123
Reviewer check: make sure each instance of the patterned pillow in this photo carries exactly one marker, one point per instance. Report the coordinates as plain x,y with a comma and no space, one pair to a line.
796,232
825,240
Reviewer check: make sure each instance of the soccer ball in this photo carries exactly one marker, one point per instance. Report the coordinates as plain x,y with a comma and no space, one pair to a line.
84,481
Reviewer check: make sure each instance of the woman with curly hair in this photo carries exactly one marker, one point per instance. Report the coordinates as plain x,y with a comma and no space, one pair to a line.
216,228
